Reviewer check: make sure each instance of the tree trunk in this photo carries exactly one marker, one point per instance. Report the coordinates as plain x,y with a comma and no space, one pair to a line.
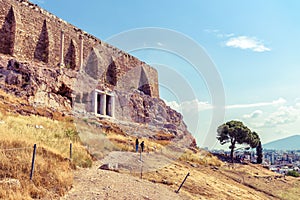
259,153
232,149
231,154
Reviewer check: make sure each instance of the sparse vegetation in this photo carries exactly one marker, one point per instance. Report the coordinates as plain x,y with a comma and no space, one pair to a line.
52,176
53,170
293,173
72,134
200,157
53,135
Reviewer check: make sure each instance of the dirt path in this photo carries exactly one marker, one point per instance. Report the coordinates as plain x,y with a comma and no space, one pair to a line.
95,183
131,162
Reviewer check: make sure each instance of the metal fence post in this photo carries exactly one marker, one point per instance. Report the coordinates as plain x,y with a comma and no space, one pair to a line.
70,151
183,182
32,162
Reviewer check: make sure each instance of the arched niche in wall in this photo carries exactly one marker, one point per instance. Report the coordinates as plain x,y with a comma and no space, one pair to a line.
93,66
144,83
41,52
8,32
70,58
112,73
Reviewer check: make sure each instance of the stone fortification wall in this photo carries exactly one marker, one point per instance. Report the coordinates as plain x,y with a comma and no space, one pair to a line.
29,33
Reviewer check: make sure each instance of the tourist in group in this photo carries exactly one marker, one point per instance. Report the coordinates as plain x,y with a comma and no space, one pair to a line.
142,146
136,145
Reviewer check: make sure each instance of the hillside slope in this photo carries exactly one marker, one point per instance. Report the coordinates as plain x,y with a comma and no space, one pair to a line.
289,143
205,181
165,164
163,169
94,183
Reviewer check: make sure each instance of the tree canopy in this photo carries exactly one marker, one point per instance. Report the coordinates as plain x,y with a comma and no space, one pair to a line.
235,132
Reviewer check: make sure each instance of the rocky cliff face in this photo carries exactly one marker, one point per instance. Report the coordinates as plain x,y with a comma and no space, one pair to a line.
40,86
53,89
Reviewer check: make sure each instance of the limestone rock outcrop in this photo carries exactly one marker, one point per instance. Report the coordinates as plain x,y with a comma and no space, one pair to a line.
54,89
40,86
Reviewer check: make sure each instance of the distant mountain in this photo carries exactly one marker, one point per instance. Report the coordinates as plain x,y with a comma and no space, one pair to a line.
289,143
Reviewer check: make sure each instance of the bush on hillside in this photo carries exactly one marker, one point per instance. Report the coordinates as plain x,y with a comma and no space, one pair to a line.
293,173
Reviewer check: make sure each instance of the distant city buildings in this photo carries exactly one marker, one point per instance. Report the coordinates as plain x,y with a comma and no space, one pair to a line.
278,161
282,161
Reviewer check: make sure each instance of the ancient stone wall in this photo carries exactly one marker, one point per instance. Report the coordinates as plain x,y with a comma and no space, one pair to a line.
29,33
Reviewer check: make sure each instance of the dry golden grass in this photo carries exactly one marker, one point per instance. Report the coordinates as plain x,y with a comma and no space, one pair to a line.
200,157
164,136
127,143
291,193
54,135
52,173
221,182
101,141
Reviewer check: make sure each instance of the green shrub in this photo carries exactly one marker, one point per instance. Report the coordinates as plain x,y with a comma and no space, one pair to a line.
293,173
72,134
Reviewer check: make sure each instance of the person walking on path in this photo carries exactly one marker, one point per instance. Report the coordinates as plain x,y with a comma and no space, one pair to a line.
136,145
142,146
142,149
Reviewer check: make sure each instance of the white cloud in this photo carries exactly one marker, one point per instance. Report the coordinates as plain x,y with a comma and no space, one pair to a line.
174,105
284,115
279,101
229,35
201,105
218,33
212,30
244,42
297,103
188,106
224,35
254,114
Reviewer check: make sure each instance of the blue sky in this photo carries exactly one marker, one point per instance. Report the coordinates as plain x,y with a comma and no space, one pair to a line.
253,44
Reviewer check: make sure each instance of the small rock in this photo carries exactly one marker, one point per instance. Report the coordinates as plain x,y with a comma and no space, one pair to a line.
110,167
194,165
166,182
104,167
39,127
11,182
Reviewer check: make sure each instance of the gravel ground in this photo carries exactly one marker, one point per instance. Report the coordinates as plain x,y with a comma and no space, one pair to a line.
95,183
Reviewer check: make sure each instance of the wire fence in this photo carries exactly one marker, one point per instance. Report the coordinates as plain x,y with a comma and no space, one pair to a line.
34,147
12,149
